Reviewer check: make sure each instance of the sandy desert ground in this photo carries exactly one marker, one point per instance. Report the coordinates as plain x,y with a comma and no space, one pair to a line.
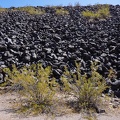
7,113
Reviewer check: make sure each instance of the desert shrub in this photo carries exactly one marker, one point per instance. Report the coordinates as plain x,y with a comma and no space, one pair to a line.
35,85
2,9
102,12
87,91
31,10
61,11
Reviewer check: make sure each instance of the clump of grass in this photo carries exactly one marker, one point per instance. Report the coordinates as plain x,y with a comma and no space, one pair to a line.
61,11
31,10
35,85
2,9
87,91
102,12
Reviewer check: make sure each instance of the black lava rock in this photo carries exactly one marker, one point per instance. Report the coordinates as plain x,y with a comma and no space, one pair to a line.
59,40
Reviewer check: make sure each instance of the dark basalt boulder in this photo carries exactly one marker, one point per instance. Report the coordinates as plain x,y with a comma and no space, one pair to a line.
3,47
115,86
1,78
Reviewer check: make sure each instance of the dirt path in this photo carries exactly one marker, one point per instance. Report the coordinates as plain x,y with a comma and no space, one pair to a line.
7,113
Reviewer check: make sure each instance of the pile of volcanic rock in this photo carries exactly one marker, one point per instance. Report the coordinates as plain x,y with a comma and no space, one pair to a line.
58,40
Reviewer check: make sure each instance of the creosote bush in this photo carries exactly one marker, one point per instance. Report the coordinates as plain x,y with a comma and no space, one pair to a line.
102,12
35,85
61,11
31,10
87,91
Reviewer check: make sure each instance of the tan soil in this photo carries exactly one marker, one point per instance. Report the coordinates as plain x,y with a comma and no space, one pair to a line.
7,112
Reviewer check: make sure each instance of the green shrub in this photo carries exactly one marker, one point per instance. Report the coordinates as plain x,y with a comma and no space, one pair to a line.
86,90
61,11
31,10
35,85
102,12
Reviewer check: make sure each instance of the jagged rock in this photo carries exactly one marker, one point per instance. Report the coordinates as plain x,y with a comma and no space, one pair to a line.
2,48
1,78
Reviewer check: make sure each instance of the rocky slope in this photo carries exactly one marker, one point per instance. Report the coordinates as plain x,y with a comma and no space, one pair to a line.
59,40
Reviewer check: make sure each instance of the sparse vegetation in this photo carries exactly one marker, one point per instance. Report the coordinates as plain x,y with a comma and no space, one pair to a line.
28,9
61,11
3,9
102,12
86,90
38,88
35,85
31,10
